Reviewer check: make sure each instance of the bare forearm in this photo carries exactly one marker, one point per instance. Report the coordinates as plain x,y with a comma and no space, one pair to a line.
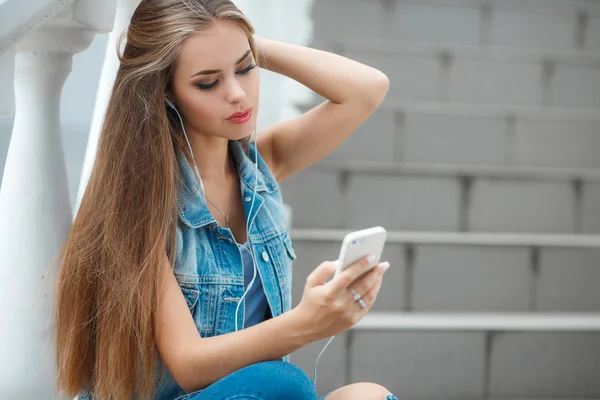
213,358
334,77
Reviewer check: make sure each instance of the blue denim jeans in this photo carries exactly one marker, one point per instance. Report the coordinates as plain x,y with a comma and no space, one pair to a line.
269,380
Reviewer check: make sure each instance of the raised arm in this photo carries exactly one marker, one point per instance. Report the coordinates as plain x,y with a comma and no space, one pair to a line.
353,91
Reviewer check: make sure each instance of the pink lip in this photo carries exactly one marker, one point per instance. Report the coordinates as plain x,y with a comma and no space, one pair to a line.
241,117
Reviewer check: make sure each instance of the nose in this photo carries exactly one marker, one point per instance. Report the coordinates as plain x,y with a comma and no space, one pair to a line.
236,93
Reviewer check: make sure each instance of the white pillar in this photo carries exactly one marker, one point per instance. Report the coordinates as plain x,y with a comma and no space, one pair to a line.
287,21
35,210
35,213
125,9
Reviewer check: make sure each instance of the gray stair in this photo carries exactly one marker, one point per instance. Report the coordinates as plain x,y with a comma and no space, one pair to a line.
455,133
483,165
468,316
465,356
564,25
481,75
353,195
471,272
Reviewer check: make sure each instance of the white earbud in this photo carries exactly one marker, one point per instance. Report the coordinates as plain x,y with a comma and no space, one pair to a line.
170,104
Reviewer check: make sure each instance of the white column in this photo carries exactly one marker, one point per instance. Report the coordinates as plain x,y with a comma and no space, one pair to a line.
125,9
288,21
35,210
294,25
35,213
263,15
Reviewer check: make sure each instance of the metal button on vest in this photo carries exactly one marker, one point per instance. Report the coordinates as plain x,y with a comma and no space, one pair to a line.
265,256
247,199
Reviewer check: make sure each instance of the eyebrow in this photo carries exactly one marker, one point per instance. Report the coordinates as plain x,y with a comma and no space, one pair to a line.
215,71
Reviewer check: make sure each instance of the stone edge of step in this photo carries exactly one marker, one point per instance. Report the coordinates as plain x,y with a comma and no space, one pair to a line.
555,322
531,6
460,238
520,112
487,52
494,172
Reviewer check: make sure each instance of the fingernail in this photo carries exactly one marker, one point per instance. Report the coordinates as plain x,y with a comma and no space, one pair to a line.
384,266
371,259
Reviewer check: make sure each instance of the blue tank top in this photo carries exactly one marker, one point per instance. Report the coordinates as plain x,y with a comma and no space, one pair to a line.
256,301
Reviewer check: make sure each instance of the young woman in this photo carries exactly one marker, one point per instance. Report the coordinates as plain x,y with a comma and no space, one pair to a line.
182,219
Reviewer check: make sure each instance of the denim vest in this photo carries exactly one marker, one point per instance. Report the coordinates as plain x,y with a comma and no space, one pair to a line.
208,265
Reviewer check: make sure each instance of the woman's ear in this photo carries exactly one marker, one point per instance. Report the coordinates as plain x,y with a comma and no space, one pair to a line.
169,93
170,103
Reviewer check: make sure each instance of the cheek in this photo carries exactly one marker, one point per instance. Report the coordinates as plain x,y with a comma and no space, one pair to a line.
203,109
254,86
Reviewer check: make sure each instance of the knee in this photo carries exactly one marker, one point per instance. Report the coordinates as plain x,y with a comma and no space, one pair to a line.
373,391
283,380
363,391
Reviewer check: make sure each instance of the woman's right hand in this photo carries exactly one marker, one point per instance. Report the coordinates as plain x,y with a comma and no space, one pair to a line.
328,307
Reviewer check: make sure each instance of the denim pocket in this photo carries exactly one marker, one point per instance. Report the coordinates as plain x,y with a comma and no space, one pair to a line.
215,310
190,294
287,242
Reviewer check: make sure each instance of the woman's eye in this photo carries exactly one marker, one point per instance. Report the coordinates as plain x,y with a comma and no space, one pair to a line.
207,86
247,69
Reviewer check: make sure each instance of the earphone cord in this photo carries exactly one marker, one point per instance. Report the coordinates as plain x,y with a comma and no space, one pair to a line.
248,224
318,358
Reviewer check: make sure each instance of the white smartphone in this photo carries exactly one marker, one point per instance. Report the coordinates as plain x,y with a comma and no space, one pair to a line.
359,244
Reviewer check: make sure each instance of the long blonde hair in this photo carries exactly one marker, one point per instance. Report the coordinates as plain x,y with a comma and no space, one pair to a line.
106,292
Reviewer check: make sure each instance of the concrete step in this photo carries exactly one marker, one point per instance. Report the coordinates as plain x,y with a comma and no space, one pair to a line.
472,272
481,75
422,132
533,24
444,198
465,356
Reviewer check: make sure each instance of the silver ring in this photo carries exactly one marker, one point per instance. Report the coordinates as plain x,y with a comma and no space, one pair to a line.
362,304
357,296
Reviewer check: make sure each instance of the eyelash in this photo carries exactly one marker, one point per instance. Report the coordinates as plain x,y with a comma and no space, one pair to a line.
244,71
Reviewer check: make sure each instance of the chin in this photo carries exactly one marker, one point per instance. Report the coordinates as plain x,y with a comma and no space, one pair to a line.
243,132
